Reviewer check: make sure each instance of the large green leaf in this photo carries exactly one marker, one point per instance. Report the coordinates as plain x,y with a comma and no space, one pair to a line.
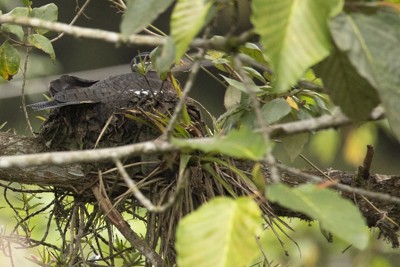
336,214
164,57
242,143
42,43
275,110
16,29
140,13
294,34
232,98
294,144
352,92
372,46
220,233
245,88
9,61
188,17
47,12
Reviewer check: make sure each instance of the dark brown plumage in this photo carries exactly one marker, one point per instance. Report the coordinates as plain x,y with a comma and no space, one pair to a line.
71,90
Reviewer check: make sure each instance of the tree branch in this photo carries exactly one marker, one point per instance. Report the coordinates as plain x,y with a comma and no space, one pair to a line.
320,123
223,44
118,221
77,31
82,156
9,160
26,169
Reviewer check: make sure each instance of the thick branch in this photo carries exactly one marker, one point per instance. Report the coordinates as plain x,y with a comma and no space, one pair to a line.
12,158
224,44
69,178
82,156
119,222
77,31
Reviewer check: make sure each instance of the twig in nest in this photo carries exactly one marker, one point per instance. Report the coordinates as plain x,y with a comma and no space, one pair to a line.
139,195
364,170
118,221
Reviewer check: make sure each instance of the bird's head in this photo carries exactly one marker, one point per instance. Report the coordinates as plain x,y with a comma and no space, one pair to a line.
141,63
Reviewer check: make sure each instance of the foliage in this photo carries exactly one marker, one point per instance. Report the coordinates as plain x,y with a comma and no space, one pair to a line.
294,34
10,59
332,211
226,227
313,55
242,144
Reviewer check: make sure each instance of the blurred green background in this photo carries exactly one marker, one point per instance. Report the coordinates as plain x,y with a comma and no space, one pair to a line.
338,149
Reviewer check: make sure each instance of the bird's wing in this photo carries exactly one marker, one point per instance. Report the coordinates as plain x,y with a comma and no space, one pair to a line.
116,88
70,90
68,82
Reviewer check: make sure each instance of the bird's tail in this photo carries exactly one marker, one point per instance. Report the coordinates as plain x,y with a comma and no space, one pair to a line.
44,105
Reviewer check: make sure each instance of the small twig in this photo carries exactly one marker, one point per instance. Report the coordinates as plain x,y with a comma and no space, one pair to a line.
139,195
342,187
118,221
320,123
315,167
103,130
260,247
10,254
182,101
72,237
23,91
119,4
29,191
27,218
366,167
81,232
269,158
78,14
384,214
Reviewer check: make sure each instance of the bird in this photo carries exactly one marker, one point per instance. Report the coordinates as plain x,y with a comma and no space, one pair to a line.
141,82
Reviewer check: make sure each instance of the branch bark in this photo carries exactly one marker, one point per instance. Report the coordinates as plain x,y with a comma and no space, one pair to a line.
79,32
27,156
19,162
223,44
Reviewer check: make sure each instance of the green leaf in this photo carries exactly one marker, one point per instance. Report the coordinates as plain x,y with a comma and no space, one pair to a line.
232,97
17,30
164,57
294,144
140,13
187,19
352,92
372,45
241,143
220,233
241,86
9,61
42,43
47,12
253,51
275,110
254,74
294,34
336,214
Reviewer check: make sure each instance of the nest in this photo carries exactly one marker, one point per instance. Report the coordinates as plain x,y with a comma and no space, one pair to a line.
138,119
